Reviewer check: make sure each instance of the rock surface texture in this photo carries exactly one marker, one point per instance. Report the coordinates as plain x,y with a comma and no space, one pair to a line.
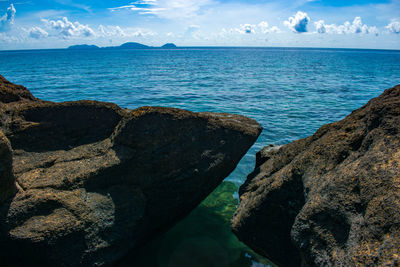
331,199
95,181
7,179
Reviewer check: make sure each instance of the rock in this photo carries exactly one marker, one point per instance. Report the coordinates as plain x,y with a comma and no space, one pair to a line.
7,179
10,92
331,199
97,181
266,153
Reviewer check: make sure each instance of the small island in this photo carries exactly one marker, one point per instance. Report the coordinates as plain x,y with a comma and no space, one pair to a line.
133,45
169,46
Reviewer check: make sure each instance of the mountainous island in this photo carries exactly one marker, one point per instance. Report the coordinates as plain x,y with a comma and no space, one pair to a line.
128,45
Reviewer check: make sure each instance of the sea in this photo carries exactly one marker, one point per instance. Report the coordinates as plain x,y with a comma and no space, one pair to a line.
291,92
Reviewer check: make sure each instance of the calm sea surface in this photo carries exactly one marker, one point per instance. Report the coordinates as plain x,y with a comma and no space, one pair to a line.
291,92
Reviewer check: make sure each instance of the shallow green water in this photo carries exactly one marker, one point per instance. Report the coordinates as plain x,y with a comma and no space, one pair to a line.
202,239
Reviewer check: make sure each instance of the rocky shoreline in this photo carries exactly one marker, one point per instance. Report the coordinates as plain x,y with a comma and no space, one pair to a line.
87,183
331,199
83,183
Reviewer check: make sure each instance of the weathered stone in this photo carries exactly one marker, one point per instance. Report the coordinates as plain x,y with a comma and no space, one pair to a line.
7,179
10,92
97,181
332,199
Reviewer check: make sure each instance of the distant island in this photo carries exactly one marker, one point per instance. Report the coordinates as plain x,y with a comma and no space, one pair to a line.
169,46
129,45
132,45
83,47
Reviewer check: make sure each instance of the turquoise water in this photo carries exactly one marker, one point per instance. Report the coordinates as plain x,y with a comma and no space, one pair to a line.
291,92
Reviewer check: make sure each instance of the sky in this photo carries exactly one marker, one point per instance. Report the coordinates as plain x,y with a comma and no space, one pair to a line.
38,24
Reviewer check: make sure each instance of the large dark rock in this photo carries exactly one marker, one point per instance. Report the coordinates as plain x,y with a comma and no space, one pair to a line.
96,181
7,179
10,92
332,199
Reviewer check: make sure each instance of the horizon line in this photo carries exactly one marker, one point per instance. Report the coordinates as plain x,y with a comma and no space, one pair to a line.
199,46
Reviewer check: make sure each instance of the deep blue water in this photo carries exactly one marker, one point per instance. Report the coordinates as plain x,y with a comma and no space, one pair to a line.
291,92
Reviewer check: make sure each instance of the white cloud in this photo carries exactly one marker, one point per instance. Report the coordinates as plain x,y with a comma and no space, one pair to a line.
264,28
373,30
170,9
117,31
7,38
256,31
246,29
66,28
275,29
107,31
320,26
356,27
394,26
248,35
37,33
8,18
192,28
141,33
192,31
298,23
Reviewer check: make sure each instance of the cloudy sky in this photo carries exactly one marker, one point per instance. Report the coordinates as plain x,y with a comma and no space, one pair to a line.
26,24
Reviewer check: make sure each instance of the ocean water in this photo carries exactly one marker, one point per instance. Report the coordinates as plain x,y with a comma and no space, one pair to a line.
291,92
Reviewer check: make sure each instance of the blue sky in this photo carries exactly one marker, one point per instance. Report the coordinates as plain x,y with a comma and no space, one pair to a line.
27,24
